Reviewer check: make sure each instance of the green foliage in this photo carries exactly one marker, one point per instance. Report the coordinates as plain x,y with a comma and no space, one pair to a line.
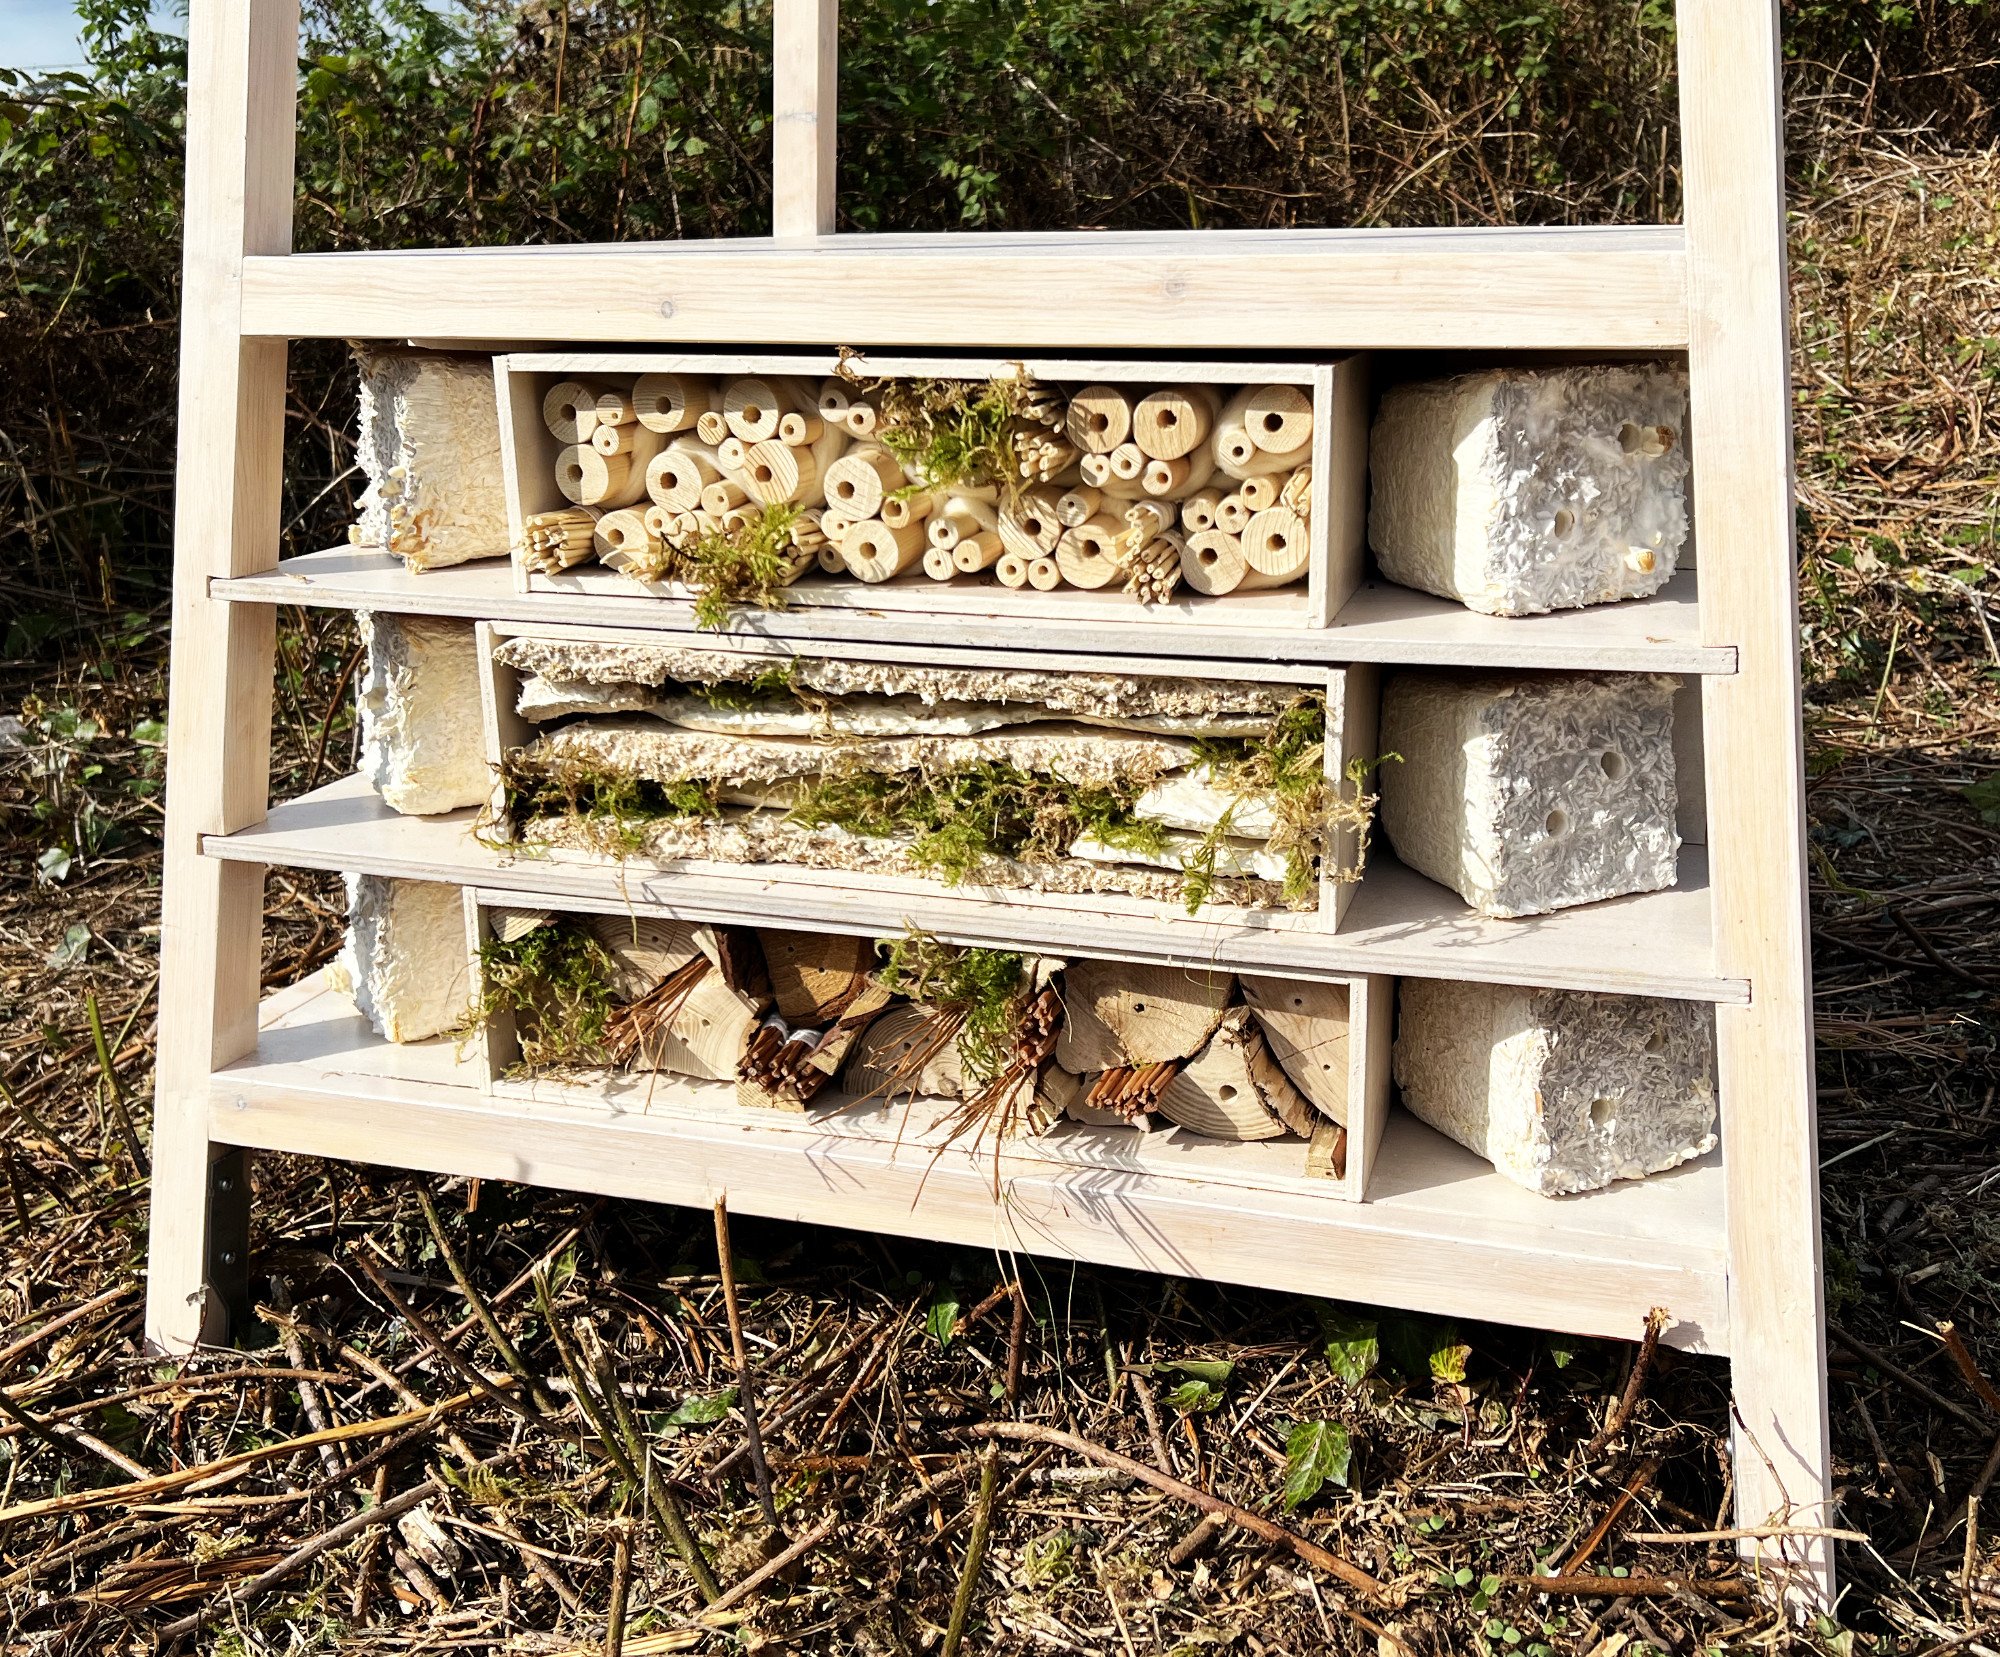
941,1318
957,819
986,985
1984,797
612,808
1422,1348
954,433
774,686
557,981
744,566
1317,1453
702,1409
1285,767
1353,1346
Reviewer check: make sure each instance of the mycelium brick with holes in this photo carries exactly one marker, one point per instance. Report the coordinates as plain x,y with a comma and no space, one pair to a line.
404,961
1526,793
1561,1090
422,742
430,446
1523,490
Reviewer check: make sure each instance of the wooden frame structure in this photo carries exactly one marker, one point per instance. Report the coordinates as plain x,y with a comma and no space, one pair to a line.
1713,288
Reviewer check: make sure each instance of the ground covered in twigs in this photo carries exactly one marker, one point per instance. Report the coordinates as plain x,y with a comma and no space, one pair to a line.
1133,1465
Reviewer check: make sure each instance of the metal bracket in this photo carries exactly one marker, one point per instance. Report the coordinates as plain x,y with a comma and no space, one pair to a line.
228,1267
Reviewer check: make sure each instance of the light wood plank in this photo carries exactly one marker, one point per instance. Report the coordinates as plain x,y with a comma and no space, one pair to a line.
1741,390
1443,1232
1654,943
1371,1025
1477,289
241,68
1381,623
805,114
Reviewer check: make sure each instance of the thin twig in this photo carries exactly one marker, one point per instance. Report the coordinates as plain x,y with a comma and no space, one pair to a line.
746,1396
975,1550
1642,1363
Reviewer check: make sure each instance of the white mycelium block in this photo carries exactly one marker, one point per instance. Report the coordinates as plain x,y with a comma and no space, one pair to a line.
1559,1089
421,743
1531,792
405,957
1524,490
430,446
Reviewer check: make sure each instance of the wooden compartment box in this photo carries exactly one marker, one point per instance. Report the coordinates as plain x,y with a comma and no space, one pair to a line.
1317,1156
1153,895
1338,459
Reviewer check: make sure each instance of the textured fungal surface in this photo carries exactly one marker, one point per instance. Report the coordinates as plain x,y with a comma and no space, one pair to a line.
1526,793
430,447
404,961
422,747
1525,490
1561,1090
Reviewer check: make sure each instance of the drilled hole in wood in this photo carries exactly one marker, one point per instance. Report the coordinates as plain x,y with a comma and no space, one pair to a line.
1613,764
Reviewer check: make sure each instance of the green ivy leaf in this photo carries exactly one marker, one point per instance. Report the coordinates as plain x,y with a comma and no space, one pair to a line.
942,1318
1315,1452
1353,1346
702,1409
1195,1397
1984,797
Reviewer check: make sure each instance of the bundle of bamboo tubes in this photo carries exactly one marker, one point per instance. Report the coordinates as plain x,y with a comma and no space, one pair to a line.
1156,492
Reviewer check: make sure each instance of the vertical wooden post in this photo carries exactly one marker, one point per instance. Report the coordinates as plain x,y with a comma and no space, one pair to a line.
242,75
1739,363
805,99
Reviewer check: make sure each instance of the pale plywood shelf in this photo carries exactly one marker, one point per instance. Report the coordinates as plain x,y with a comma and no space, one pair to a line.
1442,1232
1380,623
1608,288
1656,943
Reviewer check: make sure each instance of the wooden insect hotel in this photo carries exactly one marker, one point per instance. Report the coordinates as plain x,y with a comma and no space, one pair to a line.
1233,770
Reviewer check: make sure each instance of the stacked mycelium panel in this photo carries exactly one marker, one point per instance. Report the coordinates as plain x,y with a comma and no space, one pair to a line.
1176,790
429,446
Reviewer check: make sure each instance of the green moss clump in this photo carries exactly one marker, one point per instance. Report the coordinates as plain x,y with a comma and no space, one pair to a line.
955,433
774,685
988,986
556,981
746,566
955,820
610,808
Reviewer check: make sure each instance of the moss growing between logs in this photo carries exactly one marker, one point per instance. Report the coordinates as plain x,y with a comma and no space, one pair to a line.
988,986
774,686
612,809
556,981
955,820
750,565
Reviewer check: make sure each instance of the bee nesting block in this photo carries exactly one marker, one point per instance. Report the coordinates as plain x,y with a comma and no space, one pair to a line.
422,747
1532,792
430,446
1561,1090
404,961
1526,490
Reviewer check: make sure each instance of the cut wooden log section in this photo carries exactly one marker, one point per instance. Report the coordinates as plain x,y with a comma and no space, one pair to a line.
814,975
591,479
729,455
1167,479
1306,1026
1029,527
1198,510
1127,462
938,564
569,410
1044,574
800,429
1277,544
614,408
626,533
1212,562
677,475
645,950
710,427
1096,472
774,473
1237,451
1088,554
1259,494
980,552
1278,418
960,519
752,408
1078,505
1232,1089
1326,1155
838,1041
670,402
907,1052
1099,419
1122,1013
722,496
706,1037
1233,514
1173,422
859,480
833,401
874,552
1011,569
907,507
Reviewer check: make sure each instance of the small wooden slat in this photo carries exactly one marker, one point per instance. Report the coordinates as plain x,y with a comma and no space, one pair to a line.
1611,288
1443,1233
1380,623
1740,374
241,69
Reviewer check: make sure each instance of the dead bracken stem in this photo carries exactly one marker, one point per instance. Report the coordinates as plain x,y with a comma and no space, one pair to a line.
746,1396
